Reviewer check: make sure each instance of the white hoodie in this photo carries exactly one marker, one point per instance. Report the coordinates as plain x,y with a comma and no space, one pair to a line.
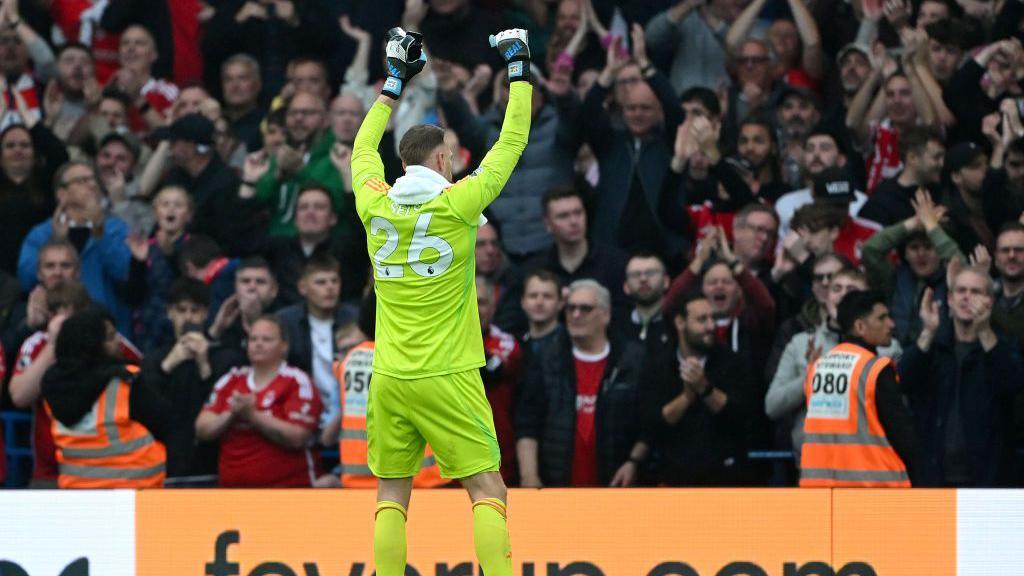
419,186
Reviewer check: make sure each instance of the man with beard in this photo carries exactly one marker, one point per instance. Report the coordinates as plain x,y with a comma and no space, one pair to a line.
796,114
1007,313
922,152
1002,191
854,66
646,283
697,402
758,150
822,150
66,99
308,154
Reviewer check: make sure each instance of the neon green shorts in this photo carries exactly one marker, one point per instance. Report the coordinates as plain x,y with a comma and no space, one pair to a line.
450,412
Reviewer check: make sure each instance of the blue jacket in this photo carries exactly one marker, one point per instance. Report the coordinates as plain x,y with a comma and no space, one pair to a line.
104,265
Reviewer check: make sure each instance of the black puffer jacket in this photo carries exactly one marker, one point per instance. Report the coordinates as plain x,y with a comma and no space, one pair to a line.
546,410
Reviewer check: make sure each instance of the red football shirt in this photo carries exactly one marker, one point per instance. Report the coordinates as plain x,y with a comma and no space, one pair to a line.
501,375
852,236
44,452
247,459
589,370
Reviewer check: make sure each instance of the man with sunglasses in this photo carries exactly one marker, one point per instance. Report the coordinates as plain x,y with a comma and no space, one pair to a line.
578,418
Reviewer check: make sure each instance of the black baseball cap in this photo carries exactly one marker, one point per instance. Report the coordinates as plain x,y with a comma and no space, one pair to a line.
961,155
834,184
126,139
194,128
803,93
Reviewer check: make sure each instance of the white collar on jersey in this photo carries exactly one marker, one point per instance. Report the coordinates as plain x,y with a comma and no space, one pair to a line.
419,186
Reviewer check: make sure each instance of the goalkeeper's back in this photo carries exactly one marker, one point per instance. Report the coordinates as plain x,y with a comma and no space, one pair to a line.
423,253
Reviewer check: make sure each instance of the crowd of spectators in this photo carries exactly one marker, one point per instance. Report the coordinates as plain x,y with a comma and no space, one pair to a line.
705,181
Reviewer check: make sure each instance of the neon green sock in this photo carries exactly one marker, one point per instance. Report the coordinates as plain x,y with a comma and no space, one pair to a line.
389,547
490,534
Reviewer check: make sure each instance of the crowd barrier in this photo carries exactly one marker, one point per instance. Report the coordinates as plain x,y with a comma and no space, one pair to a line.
642,532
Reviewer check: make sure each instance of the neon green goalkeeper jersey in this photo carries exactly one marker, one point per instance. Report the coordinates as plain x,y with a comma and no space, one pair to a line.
424,255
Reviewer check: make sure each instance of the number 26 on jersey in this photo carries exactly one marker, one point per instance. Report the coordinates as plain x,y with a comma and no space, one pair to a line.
421,245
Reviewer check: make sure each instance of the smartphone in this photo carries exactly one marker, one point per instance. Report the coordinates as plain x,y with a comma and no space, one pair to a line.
191,327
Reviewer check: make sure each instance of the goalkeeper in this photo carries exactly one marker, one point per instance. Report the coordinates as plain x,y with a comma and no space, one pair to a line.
421,236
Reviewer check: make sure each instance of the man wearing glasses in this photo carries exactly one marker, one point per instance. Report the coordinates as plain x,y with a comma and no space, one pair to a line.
645,285
578,419
81,219
305,156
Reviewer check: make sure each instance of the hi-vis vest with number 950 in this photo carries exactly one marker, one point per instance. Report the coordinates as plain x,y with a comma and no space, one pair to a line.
353,375
844,443
106,448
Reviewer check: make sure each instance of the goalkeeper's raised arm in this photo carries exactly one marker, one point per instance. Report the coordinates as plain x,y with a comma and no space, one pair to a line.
485,183
405,59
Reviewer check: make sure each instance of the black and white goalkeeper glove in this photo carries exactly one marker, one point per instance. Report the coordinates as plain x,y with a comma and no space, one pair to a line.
515,49
405,59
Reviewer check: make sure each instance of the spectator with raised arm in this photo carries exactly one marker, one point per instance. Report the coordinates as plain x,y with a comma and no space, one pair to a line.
98,236
796,43
925,249
633,158
960,376
693,32
743,308
879,119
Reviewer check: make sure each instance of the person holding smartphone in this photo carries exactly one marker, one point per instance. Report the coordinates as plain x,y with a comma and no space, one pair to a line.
184,372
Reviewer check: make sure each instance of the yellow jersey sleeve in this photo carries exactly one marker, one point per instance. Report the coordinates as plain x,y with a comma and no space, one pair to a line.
367,166
469,196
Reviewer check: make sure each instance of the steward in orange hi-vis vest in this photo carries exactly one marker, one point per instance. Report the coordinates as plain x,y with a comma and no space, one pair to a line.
106,448
353,376
845,443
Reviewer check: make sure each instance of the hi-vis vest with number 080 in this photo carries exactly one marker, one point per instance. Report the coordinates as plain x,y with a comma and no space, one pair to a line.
353,375
844,443
106,448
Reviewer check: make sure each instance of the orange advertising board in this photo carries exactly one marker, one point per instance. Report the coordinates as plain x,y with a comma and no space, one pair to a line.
554,532
903,532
